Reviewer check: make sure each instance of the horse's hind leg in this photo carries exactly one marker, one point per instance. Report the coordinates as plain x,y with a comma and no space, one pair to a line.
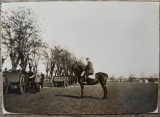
103,84
82,89
105,88
105,91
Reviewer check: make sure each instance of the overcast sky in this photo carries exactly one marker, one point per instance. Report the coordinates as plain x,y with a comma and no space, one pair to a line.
119,37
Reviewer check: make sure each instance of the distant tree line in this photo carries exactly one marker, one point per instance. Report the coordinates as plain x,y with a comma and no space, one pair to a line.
133,78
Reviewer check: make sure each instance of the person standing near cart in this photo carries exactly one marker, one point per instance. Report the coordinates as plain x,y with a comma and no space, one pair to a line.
31,76
37,82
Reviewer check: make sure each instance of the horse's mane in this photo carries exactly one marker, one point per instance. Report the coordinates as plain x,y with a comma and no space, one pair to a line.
79,67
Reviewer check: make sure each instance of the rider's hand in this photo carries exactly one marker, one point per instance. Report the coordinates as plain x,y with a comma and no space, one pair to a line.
82,74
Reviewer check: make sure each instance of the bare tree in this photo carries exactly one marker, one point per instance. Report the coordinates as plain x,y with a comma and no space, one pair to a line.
112,77
131,77
4,55
153,77
56,60
142,75
36,51
71,61
19,26
46,60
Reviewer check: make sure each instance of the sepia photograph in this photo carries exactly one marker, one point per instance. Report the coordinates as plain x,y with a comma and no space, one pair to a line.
80,57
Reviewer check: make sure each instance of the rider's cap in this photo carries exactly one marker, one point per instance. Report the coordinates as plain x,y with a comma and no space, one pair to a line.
87,58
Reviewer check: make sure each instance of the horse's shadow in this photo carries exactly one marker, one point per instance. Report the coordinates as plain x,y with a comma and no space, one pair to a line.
77,97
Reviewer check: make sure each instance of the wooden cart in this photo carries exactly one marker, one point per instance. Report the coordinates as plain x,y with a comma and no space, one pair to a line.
14,79
60,81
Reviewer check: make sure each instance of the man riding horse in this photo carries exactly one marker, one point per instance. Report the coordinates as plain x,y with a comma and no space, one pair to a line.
88,70
79,68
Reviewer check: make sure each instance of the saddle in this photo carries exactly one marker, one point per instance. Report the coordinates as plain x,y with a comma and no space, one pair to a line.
92,76
91,80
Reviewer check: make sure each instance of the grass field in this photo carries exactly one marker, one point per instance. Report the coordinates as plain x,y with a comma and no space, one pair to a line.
122,98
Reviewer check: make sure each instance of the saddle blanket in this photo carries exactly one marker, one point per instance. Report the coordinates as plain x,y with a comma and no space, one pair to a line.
92,76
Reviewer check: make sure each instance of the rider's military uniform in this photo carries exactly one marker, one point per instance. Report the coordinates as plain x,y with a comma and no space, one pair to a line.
89,69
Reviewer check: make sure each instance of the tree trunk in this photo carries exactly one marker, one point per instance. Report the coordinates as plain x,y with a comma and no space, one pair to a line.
3,60
46,73
24,60
34,68
15,60
14,66
24,65
58,70
51,70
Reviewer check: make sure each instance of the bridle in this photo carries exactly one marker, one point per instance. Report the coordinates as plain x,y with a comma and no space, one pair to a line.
77,69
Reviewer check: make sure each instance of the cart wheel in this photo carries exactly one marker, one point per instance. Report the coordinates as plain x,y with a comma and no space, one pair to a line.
22,84
5,85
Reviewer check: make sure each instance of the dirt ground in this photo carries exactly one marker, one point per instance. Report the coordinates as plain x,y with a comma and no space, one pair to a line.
123,98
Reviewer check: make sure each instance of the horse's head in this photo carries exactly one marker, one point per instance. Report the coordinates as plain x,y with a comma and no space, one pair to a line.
78,68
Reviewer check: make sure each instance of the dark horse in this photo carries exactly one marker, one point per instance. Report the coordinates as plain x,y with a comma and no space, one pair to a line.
100,77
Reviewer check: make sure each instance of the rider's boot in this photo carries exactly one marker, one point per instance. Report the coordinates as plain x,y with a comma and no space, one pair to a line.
84,80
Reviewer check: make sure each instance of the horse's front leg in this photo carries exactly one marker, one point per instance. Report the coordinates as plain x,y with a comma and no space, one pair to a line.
82,89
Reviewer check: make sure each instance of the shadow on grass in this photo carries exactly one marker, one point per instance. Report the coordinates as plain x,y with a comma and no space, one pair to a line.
78,97
13,91
17,91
